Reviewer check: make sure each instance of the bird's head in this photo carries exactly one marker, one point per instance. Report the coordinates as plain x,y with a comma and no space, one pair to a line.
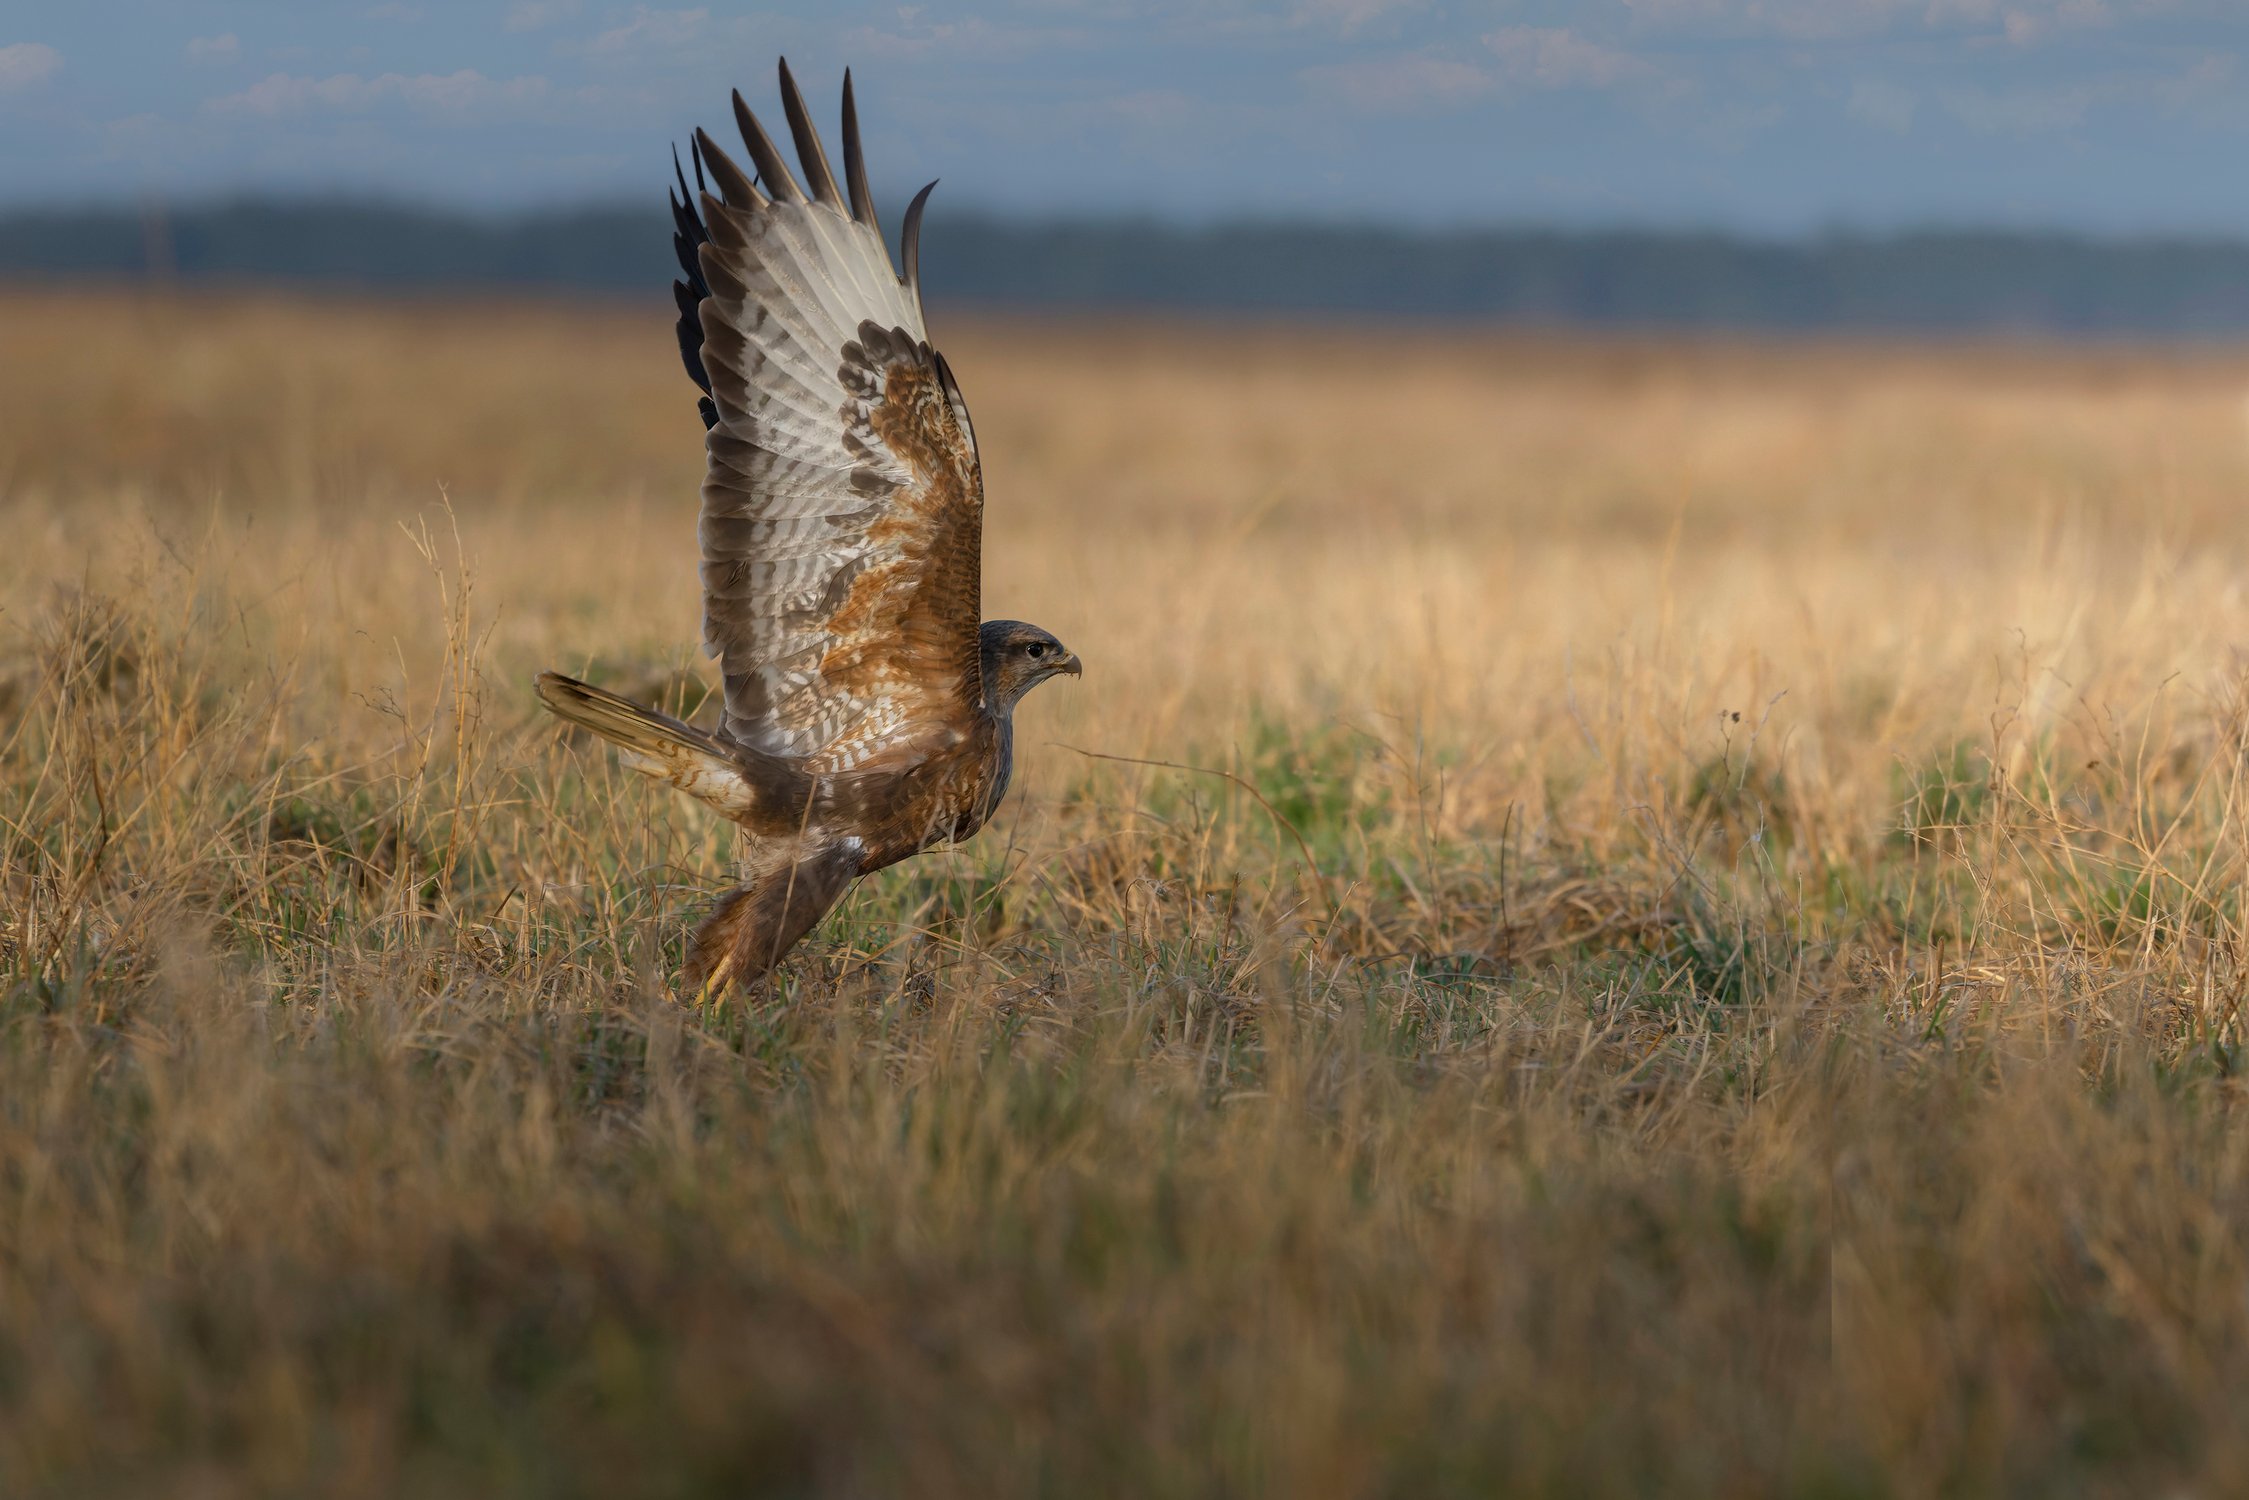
1017,658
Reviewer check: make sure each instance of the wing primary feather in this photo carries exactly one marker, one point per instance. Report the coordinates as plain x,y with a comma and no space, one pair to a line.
770,166
952,389
855,161
910,240
695,153
685,236
688,293
690,329
688,298
718,275
687,228
679,175
810,152
736,189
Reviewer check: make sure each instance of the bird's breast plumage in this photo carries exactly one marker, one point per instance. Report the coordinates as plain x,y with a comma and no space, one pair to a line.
945,798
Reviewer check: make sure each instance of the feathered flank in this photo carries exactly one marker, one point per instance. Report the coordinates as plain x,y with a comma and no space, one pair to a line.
733,185
911,241
810,153
770,167
855,161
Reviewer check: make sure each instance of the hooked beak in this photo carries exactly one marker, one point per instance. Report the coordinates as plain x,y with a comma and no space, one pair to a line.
1071,665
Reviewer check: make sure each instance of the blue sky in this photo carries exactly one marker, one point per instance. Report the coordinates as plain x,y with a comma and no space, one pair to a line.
1766,115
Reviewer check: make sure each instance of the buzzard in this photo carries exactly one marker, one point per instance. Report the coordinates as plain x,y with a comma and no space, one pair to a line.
869,707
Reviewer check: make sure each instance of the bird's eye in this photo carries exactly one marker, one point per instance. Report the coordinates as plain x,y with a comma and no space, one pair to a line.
1035,650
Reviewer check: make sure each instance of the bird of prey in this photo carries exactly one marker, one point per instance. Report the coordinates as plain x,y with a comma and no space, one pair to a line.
868,705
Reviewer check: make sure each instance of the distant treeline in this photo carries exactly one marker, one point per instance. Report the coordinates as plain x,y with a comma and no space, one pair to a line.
1931,280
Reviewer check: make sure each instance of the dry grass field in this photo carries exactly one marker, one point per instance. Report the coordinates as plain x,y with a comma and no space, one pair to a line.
1609,918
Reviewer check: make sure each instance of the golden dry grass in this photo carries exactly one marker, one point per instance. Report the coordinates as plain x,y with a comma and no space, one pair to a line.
1703,956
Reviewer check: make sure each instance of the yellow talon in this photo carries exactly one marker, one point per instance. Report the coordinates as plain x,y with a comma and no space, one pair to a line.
713,991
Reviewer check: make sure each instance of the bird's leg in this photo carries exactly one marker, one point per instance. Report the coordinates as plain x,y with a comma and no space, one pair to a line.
713,991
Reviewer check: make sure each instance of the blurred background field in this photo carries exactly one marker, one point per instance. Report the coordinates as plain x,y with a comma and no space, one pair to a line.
1612,915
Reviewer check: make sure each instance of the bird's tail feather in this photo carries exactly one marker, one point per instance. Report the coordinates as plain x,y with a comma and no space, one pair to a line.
750,929
654,744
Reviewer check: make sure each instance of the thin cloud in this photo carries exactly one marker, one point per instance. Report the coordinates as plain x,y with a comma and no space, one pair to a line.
2026,23
23,64
2028,111
1555,57
459,93
2021,22
651,32
1797,19
1348,16
1152,109
1399,85
209,50
535,15
1883,105
914,36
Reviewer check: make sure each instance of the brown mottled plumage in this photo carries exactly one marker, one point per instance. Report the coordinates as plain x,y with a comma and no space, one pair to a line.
869,710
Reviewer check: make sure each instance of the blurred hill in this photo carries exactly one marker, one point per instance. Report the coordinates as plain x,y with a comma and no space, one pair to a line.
1938,280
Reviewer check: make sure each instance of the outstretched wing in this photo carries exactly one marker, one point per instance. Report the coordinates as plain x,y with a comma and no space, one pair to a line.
843,508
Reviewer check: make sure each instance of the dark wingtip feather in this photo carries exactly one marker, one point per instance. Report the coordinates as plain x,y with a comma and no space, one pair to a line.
688,232
770,166
810,153
690,330
687,229
855,161
911,246
684,251
733,186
